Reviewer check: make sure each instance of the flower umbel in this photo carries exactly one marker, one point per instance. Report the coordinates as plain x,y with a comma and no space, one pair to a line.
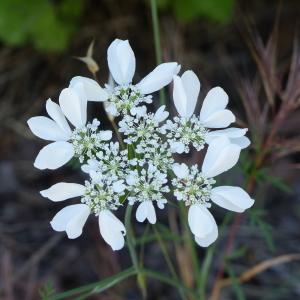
143,171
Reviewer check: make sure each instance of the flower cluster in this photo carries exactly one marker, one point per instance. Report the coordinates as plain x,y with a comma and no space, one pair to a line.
143,172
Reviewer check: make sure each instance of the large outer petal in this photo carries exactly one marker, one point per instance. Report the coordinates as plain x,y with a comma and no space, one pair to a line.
236,136
161,76
93,91
55,112
63,190
47,129
231,132
209,238
191,85
121,61
179,96
221,156
215,100
73,105
71,219
54,155
145,211
201,221
112,230
232,198
219,119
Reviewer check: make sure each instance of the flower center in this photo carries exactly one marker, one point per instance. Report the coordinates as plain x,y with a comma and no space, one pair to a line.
186,131
86,141
101,196
123,98
194,189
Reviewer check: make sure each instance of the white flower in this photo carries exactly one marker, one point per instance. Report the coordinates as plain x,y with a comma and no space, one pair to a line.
213,113
181,132
126,96
99,198
195,189
145,187
189,129
66,142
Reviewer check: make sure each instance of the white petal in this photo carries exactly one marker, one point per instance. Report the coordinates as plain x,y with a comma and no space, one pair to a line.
209,238
118,186
221,156
180,170
161,203
54,155
47,129
219,119
215,100
161,76
112,230
161,114
200,220
131,179
63,190
71,219
191,86
93,91
73,106
145,211
177,147
55,112
242,141
121,61
229,132
179,96
105,135
232,198
236,136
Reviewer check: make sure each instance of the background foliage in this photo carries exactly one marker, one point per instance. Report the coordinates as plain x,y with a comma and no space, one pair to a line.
48,25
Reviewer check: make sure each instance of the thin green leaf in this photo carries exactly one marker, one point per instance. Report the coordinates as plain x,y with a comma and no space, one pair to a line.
237,288
97,287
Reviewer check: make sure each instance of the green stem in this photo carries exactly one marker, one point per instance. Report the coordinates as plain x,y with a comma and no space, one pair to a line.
156,35
168,260
130,243
202,279
189,239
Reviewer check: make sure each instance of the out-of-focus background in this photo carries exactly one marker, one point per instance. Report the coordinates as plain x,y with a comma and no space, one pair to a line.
227,43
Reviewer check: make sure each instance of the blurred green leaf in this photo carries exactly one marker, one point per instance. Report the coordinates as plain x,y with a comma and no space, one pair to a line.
240,252
47,291
257,219
47,25
188,10
237,288
264,175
